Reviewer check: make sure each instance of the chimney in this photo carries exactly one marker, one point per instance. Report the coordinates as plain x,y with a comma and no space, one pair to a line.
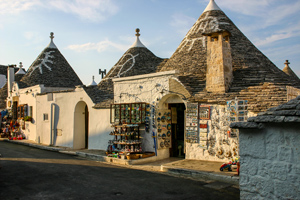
219,62
10,78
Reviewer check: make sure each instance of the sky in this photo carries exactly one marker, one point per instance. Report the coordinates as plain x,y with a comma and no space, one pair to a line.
94,34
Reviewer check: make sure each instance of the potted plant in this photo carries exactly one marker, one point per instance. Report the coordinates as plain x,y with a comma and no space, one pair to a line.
28,118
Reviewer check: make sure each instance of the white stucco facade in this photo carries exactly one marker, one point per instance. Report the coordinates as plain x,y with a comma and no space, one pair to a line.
67,120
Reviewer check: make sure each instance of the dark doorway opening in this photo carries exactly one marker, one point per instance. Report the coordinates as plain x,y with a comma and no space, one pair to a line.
178,117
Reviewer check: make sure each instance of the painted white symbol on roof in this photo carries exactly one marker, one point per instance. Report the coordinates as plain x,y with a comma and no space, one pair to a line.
44,62
201,26
120,73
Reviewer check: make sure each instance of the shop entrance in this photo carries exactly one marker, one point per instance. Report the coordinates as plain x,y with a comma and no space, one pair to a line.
81,122
177,111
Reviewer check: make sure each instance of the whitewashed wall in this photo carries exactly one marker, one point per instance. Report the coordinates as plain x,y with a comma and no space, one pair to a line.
28,96
65,103
144,88
270,162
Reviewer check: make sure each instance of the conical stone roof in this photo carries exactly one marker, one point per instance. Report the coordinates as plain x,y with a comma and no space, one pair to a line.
51,69
137,60
251,68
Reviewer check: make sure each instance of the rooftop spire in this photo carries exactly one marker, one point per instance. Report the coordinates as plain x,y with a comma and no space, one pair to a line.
51,44
93,83
20,71
212,6
137,43
288,70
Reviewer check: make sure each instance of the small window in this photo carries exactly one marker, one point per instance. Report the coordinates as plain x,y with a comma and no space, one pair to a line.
50,97
214,39
45,116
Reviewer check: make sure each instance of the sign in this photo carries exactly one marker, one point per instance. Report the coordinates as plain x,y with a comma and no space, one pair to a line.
191,126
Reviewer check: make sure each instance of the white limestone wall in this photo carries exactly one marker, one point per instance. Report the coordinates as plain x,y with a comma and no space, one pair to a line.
144,88
65,103
270,162
28,96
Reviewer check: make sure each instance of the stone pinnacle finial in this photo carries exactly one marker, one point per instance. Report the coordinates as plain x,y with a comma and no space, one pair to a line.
287,63
93,78
137,32
51,35
20,65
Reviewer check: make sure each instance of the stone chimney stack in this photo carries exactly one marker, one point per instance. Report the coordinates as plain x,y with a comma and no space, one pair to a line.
10,77
219,62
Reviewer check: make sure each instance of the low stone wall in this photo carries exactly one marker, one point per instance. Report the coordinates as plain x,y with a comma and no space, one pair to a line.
270,162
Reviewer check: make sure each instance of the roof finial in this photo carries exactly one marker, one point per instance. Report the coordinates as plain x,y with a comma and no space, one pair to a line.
20,71
212,6
51,36
93,83
137,32
287,63
137,43
51,44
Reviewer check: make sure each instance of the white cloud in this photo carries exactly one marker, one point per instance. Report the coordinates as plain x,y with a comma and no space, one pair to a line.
17,6
92,10
182,23
100,46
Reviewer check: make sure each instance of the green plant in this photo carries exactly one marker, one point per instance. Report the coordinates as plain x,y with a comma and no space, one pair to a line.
27,118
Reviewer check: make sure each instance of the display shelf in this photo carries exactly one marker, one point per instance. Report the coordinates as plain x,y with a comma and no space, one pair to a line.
126,139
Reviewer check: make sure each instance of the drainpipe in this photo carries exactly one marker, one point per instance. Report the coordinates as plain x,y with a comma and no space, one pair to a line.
52,114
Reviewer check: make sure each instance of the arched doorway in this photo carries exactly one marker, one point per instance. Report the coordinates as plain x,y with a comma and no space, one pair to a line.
176,105
81,123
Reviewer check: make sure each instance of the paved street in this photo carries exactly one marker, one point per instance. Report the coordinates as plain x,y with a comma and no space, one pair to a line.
29,173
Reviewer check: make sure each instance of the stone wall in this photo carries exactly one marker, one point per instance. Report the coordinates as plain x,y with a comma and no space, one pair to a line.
270,162
221,146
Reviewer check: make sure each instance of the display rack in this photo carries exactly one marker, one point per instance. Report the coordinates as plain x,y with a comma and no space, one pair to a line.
128,113
126,139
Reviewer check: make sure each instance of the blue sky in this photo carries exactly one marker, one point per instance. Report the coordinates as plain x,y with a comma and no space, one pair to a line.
94,34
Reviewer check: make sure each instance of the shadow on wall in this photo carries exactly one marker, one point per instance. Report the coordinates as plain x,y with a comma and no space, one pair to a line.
55,118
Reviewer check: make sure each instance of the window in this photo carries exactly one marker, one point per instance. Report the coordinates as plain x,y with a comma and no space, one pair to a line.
22,111
45,116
